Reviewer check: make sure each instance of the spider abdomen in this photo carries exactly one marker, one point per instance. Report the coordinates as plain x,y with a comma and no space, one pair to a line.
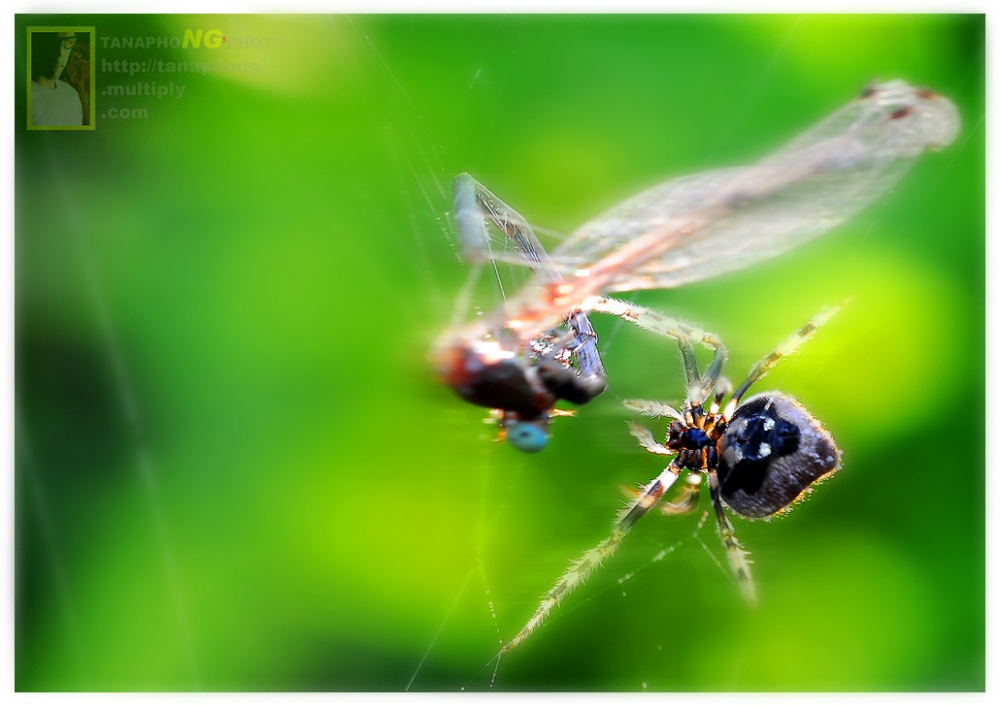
772,451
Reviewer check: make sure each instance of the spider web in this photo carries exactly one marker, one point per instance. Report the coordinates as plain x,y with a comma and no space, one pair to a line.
419,155
537,514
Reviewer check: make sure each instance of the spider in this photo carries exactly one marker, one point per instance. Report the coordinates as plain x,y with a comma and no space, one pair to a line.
759,456
539,347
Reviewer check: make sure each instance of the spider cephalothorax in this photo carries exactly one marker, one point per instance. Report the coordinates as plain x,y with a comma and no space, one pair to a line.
695,438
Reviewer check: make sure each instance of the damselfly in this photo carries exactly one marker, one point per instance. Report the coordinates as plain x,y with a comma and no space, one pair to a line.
538,346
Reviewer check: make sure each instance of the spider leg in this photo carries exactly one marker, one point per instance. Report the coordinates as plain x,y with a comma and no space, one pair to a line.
698,387
645,438
738,557
580,569
784,349
690,364
685,502
651,408
722,388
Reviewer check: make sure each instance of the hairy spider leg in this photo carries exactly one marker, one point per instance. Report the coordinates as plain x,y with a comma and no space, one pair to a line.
711,384
652,408
684,502
580,569
783,350
698,387
652,493
737,556
645,438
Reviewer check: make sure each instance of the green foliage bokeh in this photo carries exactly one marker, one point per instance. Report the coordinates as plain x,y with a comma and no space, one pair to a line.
235,470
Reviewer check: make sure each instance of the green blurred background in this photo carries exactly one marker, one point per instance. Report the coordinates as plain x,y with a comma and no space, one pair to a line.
235,470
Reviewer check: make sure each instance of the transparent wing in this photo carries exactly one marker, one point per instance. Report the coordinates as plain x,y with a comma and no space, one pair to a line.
476,207
749,214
